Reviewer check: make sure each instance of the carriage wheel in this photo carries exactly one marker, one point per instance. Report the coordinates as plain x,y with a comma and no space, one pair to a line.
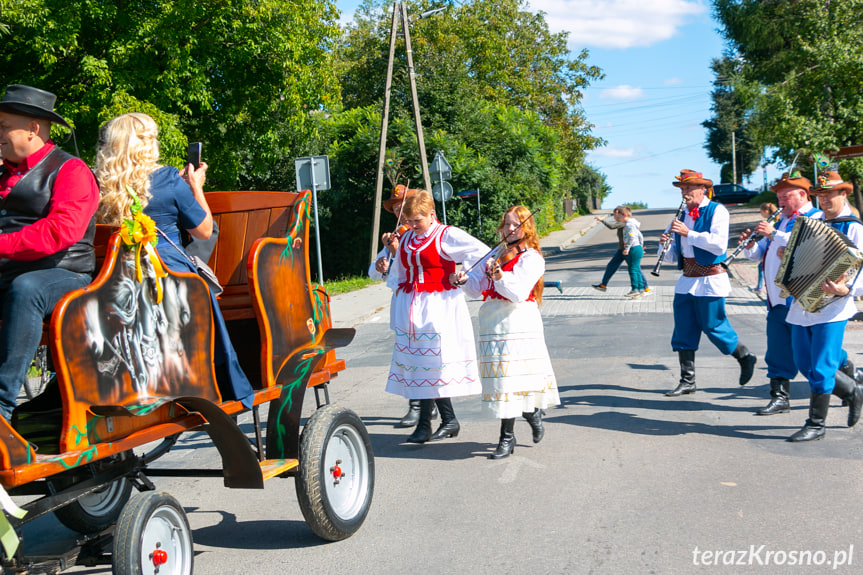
152,536
336,474
98,510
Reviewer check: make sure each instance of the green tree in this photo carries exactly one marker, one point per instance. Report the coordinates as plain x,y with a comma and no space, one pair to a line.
499,96
803,62
729,109
589,183
243,76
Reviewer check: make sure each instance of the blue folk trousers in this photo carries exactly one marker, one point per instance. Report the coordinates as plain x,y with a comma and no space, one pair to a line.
694,315
818,353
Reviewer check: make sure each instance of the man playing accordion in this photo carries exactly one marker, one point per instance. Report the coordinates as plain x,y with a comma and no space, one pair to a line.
700,240
816,337
792,193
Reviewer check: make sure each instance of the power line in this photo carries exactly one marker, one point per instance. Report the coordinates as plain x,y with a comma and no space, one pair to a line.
651,156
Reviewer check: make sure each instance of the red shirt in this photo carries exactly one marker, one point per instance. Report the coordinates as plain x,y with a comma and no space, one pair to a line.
74,200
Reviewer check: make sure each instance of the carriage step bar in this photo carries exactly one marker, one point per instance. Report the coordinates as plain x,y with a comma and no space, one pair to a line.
274,467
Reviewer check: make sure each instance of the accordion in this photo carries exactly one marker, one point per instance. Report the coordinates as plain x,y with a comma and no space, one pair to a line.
815,252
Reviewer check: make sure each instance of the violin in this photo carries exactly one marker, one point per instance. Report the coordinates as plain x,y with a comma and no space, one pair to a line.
506,255
397,234
400,231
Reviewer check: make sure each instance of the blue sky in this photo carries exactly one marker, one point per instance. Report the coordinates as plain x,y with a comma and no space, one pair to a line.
656,57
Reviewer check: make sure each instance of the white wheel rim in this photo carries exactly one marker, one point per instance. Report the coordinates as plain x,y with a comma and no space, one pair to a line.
346,472
166,532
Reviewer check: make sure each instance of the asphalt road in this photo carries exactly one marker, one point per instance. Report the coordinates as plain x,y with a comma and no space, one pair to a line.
627,481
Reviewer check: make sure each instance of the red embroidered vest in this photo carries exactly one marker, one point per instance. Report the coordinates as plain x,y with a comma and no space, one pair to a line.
426,268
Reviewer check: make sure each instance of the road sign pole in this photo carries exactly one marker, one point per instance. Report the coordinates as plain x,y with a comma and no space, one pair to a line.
443,202
478,214
317,225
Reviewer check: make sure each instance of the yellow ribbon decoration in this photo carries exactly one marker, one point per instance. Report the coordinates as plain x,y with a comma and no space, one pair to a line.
139,234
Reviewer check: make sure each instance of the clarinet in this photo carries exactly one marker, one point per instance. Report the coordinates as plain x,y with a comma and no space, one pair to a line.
667,243
773,217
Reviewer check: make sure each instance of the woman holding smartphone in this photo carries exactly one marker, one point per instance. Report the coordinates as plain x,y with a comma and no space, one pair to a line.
128,157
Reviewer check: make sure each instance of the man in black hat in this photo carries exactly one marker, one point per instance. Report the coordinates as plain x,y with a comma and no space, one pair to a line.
48,202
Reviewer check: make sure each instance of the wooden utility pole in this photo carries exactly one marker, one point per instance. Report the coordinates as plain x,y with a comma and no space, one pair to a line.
400,11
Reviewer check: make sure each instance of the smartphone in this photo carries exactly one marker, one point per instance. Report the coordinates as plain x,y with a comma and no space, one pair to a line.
194,154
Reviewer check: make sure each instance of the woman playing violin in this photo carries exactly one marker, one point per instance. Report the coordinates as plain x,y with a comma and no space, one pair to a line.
379,270
517,377
434,356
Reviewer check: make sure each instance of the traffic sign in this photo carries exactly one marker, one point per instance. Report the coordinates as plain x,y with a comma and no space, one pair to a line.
440,169
447,191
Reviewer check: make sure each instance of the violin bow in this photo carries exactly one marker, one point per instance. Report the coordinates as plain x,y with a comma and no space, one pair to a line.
497,245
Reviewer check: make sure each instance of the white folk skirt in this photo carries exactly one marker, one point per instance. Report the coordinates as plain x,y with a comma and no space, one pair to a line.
516,371
434,353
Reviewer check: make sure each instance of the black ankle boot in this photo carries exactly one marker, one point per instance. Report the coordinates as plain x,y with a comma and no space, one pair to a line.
747,363
423,431
779,397
848,389
687,374
449,426
535,421
506,444
819,404
412,416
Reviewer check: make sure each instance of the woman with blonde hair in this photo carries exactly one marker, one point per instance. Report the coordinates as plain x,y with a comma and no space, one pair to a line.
517,377
128,158
434,356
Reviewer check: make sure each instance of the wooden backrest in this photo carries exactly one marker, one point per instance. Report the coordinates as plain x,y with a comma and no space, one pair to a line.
116,344
243,217
290,318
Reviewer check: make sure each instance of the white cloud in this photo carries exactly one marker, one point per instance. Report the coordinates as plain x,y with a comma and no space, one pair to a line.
617,23
622,92
613,152
674,82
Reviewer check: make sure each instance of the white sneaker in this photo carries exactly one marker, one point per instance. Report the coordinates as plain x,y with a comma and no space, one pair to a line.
633,294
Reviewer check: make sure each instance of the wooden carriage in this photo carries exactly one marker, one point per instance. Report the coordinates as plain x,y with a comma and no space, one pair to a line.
133,353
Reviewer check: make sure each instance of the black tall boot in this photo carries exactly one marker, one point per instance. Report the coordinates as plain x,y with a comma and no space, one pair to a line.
848,389
849,370
819,404
412,416
449,426
506,445
423,431
779,397
535,421
747,363
687,374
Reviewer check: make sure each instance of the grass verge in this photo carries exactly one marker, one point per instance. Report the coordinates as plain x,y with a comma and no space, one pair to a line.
344,285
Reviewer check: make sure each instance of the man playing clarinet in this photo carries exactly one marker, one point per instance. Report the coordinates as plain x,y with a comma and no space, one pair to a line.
792,192
699,242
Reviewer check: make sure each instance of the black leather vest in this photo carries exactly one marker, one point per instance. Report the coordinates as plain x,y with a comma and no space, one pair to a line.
29,201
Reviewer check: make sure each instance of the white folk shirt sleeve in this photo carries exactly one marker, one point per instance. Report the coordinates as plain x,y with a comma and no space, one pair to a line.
714,241
518,284
461,247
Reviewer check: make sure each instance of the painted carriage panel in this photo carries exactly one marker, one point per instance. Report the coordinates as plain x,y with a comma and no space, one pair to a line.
131,344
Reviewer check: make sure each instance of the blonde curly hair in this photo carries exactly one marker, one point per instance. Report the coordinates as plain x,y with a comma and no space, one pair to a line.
128,153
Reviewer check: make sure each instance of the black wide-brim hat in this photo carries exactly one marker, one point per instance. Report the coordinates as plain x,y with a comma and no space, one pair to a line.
31,102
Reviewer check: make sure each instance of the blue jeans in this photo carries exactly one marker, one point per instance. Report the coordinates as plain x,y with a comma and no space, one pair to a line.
614,264
29,299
